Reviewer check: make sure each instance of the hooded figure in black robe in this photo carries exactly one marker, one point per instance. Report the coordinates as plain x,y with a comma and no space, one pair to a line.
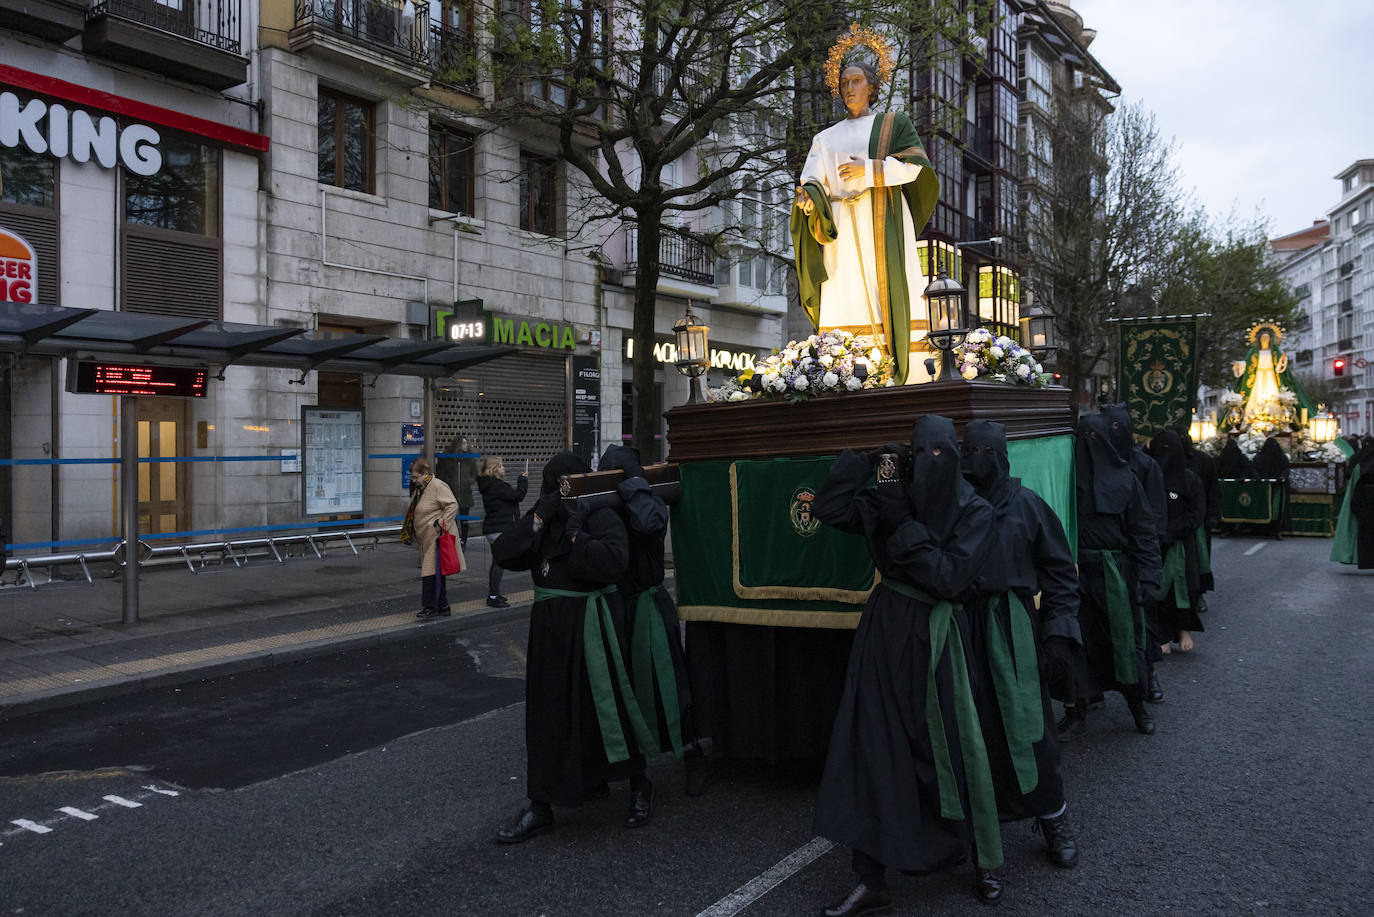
1271,464
906,780
658,666
1354,538
1182,544
1118,561
1018,651
582,724
1233,464
1205,467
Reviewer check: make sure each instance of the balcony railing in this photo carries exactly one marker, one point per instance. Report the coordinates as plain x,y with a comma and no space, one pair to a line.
453,55
209,22
678,256
400,28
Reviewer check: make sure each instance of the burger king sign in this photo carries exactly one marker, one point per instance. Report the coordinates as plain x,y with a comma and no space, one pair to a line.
18,269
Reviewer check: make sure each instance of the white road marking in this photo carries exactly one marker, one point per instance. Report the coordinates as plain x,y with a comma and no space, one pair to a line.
1258,546
33,826
77,813
158,789
121,801
756,888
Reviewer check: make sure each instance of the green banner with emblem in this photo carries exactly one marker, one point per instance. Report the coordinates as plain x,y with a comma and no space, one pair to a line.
1158,372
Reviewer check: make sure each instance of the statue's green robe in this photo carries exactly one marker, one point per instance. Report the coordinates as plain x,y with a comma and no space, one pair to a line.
893,135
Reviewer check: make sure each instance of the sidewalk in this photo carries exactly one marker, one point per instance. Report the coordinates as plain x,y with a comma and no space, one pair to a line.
65,643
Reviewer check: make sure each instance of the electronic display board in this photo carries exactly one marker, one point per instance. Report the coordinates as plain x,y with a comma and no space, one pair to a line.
111,377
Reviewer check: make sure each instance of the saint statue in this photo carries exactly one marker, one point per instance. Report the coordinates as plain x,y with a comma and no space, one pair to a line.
1264,373
866,192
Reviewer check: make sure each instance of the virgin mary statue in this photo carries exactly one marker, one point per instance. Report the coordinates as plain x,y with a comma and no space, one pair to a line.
1264,373
866,192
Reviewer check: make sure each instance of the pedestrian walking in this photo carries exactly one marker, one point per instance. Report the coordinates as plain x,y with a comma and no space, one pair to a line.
1179,547
906,781
500,509
459,472
431,513
1019,650
583,726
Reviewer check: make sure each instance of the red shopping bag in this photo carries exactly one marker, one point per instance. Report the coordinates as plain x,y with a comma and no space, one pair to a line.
450,555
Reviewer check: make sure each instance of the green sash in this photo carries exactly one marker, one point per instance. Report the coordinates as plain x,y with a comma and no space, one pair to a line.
944,638
1204,554
1123,619
1175,576
1016,678
653,663
1344,549
598,631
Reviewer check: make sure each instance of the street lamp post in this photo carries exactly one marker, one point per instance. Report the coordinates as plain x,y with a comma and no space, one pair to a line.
693,357
945,309
1037,332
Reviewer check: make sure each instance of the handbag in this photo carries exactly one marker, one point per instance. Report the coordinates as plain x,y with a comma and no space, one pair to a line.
451,558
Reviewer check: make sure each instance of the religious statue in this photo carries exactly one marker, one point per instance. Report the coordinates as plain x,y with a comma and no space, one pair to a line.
1264,374
865,193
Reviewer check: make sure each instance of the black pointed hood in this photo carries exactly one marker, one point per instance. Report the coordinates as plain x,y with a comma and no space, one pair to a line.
1104,478
1120,430
985,461
563,463
1271,461
618,457
1167,450
1233,463
938,489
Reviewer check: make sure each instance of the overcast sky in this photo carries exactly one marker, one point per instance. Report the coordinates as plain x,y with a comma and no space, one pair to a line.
1266,100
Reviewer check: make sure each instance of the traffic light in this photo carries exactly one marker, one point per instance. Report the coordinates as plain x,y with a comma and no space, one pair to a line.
1338,366
1058,377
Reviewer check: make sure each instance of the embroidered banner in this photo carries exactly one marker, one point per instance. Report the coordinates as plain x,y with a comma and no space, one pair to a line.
1158,373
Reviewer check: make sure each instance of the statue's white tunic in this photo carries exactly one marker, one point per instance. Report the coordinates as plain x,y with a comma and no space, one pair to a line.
849,296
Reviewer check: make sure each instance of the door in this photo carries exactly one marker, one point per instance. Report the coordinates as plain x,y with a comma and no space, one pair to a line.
163,487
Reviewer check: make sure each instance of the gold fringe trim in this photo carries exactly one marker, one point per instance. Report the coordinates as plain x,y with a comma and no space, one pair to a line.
770,617
810,594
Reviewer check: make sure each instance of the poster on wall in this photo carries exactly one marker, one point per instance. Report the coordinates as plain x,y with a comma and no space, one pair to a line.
331,460
586,425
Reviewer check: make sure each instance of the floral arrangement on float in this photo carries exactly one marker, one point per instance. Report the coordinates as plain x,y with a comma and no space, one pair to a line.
1299,446
832,361
1000,359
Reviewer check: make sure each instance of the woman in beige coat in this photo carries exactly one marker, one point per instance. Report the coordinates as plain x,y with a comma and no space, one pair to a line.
434,508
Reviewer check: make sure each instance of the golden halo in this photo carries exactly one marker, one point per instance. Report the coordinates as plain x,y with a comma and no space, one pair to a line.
856,36
1274,330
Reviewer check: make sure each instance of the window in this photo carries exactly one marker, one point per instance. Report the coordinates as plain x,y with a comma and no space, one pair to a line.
723,268
345,151
451,170
28,206
538,194
182,196
26,177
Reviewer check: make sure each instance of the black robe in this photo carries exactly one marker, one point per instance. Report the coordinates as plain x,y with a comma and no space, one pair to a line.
1032,555
1187,507
565,748
880,791
1362,507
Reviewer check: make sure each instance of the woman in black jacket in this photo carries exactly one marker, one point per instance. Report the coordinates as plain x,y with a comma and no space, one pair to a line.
500,509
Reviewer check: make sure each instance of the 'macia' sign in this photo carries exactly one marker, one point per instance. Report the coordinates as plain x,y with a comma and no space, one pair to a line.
50,128
18,269
468,321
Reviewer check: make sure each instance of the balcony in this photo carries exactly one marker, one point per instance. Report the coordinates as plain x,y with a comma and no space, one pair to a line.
192,40
1348,267
453,57
978,144
386,35
679,257
53,20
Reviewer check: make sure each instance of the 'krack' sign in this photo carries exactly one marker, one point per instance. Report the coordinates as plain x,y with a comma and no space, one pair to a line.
53,129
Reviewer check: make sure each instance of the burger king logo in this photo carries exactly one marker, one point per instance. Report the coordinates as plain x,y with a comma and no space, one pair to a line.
18,269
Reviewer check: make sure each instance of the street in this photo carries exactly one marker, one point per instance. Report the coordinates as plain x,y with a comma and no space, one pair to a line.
371,783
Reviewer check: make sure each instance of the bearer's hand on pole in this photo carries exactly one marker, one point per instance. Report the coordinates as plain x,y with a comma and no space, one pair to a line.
804,201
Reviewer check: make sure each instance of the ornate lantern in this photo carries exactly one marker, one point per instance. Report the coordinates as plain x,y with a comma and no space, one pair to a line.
1037,332
693,355
945,309
1321,426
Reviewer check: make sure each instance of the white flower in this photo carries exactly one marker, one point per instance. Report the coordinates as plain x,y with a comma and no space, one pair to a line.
739,396
889,383
800,383
853,384
779,384
875,355
827,360
1038,369
830,380
1023,371
969,372
996,352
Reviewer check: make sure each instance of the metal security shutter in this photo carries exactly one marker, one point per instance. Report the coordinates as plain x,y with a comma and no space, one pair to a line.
39,229
171,274
514,407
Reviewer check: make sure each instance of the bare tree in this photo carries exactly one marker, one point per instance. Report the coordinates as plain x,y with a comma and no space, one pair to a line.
625,91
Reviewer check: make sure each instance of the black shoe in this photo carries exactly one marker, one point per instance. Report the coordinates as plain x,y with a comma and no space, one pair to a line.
428,614
987,888
527,824
862,900
1059,843
1074,725
641,806
1144,722
697,777
1155,694
498,601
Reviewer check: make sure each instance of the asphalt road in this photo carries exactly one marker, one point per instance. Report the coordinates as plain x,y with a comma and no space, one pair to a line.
371,783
